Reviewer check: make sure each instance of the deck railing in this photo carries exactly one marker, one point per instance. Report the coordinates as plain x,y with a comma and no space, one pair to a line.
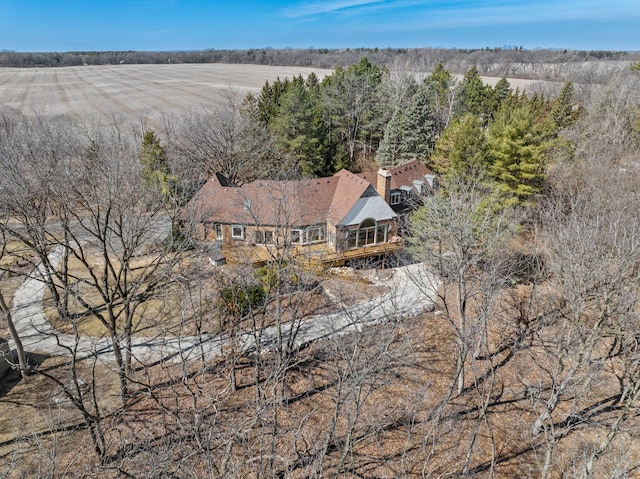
319,256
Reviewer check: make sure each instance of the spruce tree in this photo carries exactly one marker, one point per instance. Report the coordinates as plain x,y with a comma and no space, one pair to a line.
388,155
474,96
500,92
409,134
300,129
442,83
564,110
418,126
461,149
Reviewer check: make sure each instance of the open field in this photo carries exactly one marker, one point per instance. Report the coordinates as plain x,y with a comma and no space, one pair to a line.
141,91
132,91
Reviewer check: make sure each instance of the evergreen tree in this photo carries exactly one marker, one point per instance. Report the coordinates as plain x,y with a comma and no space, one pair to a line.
442,84
270,99
354,103
468,152
500,92
461,148
409,134
300,129
564,110
474,96
156,173
388,154
418,126
515,154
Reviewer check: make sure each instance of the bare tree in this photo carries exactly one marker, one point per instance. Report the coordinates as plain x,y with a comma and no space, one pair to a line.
461,232
86,200
224,140
5,270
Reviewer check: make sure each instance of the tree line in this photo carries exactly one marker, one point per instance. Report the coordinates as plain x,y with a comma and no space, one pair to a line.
494,61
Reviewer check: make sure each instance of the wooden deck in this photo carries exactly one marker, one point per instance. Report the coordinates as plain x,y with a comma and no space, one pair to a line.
312,257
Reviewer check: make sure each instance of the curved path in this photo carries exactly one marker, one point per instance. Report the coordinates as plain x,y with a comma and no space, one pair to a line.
411,289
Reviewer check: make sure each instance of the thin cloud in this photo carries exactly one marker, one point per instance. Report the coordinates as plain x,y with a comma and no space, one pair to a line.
316,8
418,15
440,14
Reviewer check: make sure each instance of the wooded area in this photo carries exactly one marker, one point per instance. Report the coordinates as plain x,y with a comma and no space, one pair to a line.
491,61
528,367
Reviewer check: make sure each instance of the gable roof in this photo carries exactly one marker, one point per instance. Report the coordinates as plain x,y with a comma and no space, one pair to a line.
350,189
263,202
339,199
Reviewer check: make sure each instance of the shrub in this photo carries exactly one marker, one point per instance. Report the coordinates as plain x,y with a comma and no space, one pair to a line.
239,300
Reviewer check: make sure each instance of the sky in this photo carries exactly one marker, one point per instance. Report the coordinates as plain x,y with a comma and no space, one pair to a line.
166,25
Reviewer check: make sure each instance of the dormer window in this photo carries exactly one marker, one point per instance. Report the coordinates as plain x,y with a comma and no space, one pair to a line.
395,198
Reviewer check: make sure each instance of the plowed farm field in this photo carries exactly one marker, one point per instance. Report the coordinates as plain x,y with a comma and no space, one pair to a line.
132,91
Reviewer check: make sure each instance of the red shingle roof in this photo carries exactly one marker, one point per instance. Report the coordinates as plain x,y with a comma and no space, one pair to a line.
270,202
403,175
264,202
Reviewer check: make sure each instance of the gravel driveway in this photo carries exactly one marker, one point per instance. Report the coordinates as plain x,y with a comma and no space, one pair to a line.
411,290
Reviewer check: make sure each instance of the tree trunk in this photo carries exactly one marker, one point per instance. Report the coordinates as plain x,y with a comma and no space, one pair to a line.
22,359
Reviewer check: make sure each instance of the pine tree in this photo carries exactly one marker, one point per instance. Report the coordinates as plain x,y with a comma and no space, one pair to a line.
409,134
515,154
468,151
354,102
473,96
418,126
461,149
442,83
300,129
501,91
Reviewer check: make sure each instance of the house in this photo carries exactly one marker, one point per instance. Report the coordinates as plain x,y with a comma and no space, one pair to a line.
320,221
407,186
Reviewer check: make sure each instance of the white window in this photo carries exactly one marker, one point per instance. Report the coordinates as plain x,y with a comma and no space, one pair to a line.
312,234
315,234
219,232
369,232
297,236
263,237
237,232
395,197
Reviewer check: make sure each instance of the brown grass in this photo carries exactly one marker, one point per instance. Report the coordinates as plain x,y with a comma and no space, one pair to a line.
158,314
40,429
403,428
409,423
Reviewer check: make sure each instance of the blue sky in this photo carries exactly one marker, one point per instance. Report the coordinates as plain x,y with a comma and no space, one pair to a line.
63,25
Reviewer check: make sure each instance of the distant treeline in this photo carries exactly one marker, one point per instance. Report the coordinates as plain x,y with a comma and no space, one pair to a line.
490,61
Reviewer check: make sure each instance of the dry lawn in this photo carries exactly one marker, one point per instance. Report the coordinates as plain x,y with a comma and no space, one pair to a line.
180,310
165,312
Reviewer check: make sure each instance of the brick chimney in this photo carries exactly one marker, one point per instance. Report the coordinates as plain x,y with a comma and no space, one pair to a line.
384,184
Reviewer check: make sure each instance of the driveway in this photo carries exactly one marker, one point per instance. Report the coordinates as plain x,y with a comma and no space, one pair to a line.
410,290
